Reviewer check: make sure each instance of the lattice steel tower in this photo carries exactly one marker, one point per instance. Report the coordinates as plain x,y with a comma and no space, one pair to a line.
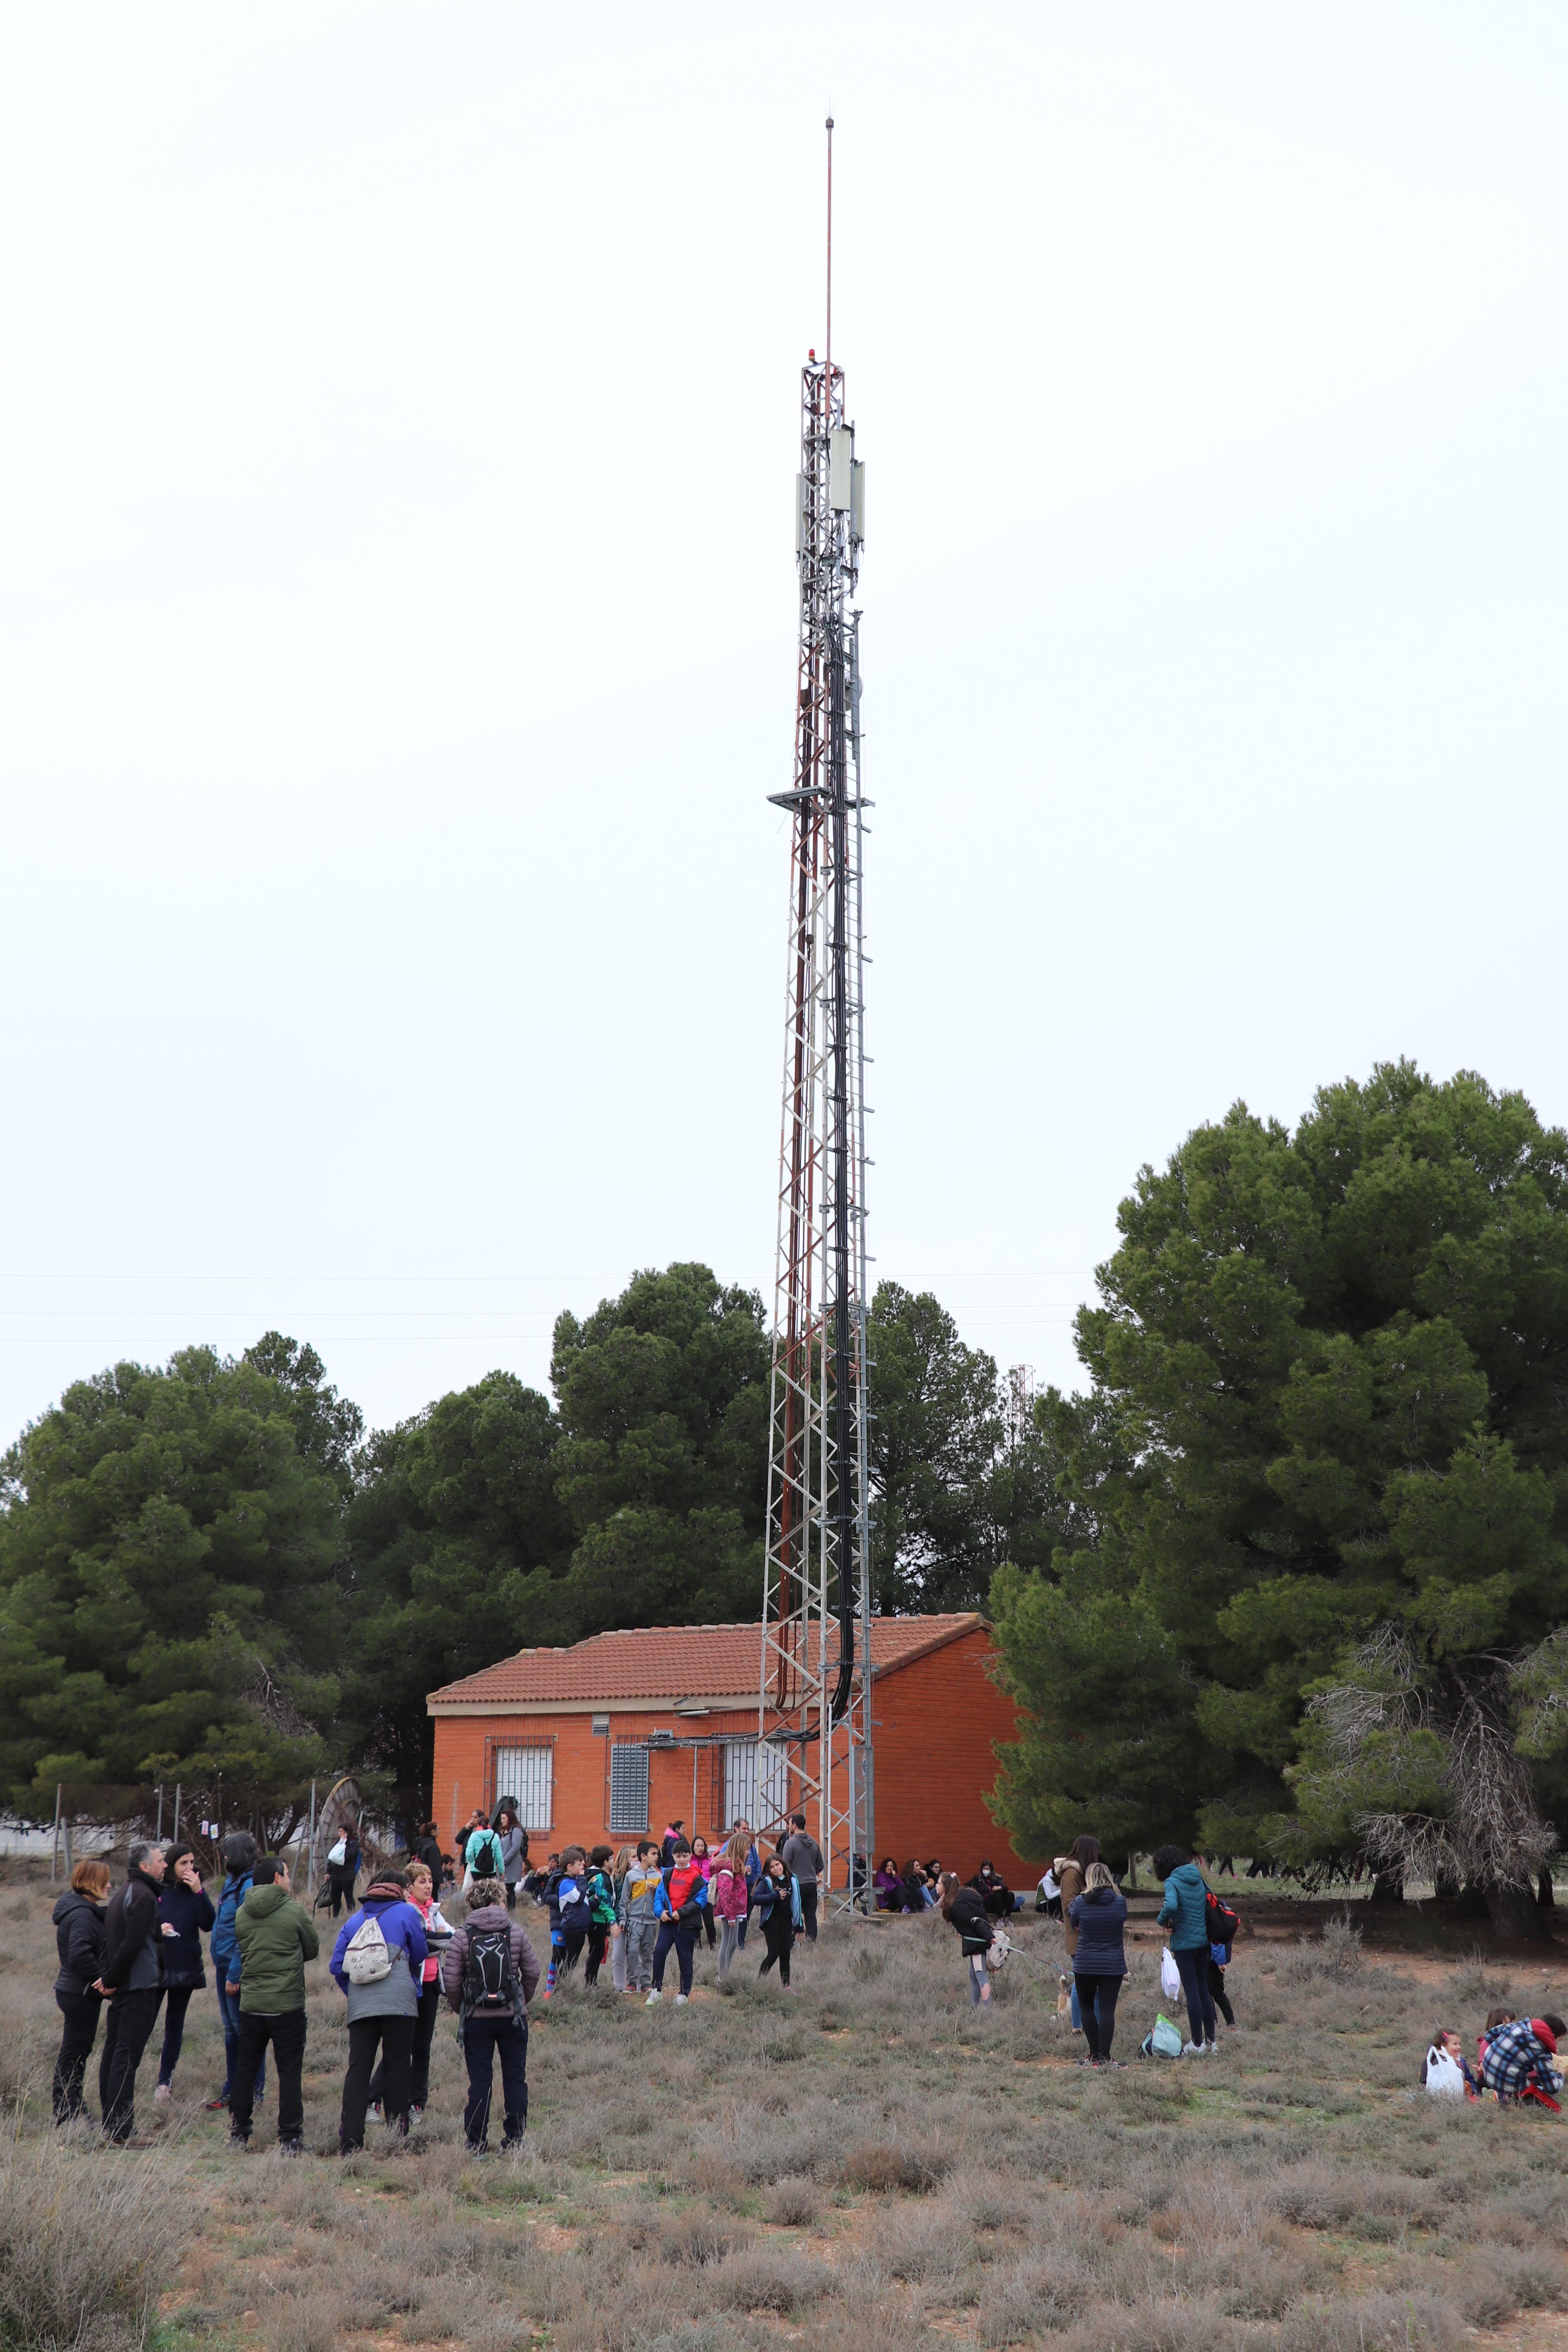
815,1694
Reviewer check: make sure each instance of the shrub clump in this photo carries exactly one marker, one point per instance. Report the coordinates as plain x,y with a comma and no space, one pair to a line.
83,2245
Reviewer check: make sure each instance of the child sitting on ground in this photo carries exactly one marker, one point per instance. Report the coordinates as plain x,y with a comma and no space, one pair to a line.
1518,2063
1445,2070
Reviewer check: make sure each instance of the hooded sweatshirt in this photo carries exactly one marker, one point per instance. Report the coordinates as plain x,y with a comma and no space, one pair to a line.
639,1890
276,1939
397,1994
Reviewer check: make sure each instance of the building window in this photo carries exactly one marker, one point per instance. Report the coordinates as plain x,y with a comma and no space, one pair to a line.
525,1777
629,1787
761,1798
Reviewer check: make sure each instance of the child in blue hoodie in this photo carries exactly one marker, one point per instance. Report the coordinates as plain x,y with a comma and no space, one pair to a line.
571,1913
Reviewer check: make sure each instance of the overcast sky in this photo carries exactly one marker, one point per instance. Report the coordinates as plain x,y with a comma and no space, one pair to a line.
398,615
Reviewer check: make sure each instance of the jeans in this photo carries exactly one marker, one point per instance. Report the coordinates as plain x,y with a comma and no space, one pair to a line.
131,2017
504,2038
1074,2011
641,1936
285,2030
177,2000
228,2010
778,1934
730,1934
394,2037
978,1992
1217,1993
1096,2001
808,1912
680,1936
80,2012
1194,1966
419,2057
511,1894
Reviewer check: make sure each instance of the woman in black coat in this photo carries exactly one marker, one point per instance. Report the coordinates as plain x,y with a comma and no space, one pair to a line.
78,1941
185,1915
993,1890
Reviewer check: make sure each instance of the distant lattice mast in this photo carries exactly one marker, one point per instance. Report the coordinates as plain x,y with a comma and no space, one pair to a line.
814,1698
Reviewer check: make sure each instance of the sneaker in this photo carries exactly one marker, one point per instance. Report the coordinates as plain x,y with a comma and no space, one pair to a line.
1193,2049
375,2109
240,2142
215,2106
680,2001
651,1999
162,2095
290,2148
416,2114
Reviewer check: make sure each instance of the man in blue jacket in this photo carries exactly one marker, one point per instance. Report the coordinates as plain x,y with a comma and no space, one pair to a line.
238,1861
379,1962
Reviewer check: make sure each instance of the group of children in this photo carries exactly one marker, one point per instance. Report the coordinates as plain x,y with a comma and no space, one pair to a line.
1514,2061
650,1899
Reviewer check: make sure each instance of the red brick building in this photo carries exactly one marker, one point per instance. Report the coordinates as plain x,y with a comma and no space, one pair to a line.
624,1732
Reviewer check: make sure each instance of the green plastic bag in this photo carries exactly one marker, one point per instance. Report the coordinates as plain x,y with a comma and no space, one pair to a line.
1167,2038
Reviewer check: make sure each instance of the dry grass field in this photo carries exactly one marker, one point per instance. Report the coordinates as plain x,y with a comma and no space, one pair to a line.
868,2163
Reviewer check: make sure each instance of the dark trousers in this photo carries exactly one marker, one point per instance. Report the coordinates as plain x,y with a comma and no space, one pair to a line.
1097,2007
1217,1993
341,1879
394,2037
505,2037
1194,1967
778,1934
80,2012
680,1936
131,2017
228,2010
807,1913
286,2031
419,2058
708,1929
598,1944
511,1894
572,1943
177,2000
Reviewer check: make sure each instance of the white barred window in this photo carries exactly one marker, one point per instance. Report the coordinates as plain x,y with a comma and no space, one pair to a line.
526,1776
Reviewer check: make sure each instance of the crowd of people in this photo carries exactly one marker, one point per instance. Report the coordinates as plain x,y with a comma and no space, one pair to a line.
399,1962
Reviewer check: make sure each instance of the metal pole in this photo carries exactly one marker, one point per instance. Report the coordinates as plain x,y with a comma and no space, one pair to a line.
158,1833
66,1833
177,1812
55,1849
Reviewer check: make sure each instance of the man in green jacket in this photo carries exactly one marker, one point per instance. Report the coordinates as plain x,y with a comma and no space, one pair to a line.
276,1939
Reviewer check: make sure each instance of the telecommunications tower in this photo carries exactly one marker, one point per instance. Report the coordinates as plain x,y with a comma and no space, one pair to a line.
814,1701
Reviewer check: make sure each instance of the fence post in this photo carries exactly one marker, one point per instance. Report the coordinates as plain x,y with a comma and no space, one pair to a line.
65,1831
177,1812
55,1849
158,1833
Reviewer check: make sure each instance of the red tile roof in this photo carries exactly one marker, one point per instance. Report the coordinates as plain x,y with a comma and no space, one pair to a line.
670,1662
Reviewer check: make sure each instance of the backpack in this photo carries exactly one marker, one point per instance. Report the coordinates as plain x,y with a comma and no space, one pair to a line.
1223,1924
368,1959
495,1867
490,1980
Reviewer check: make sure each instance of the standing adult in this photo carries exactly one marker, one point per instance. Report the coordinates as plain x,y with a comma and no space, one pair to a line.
239,1862
513,1853
276,1939
378,1961
427,1848
131,1981
673,1836
1185,1912
78,1919
1071,1869
490,1973
342,1866
482,1855
964,1908
437,1935
1100,1959
184,1913
803,1861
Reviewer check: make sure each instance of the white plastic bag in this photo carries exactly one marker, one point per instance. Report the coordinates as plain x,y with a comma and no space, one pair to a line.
1170,1976
1444,2076
338,1853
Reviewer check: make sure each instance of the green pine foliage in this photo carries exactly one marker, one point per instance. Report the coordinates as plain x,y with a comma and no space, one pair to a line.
1326,1399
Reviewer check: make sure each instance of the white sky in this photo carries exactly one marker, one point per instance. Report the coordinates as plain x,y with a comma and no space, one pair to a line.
397,432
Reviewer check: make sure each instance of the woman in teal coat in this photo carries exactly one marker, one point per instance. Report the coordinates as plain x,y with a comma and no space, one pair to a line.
1186,1912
